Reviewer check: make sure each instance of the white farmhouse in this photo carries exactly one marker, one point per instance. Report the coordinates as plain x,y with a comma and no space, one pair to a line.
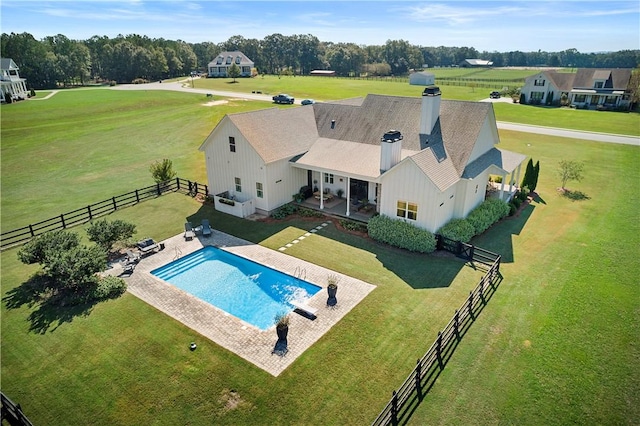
10,82
219,67
424,160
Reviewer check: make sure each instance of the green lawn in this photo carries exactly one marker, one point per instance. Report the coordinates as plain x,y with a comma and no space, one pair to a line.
557,344
324,89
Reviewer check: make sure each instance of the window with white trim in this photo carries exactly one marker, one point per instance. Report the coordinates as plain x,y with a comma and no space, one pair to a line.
232,144
259,191
538,82
407,210
238,184
328,178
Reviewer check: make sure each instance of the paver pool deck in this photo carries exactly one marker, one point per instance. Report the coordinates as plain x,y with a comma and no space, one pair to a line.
247,341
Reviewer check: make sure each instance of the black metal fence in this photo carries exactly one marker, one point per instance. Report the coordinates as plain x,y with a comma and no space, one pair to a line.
13,412
85,214
428,368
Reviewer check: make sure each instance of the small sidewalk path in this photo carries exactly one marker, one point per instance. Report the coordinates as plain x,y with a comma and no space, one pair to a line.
243,339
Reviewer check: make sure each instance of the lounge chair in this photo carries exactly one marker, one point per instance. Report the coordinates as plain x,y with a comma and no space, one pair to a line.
188,231
130,262
206,228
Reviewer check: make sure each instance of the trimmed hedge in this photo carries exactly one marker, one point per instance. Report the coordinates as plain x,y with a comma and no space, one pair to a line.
458,230
401,234
478,221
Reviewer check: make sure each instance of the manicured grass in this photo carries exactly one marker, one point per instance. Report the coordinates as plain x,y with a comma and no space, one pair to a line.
557,344
83,146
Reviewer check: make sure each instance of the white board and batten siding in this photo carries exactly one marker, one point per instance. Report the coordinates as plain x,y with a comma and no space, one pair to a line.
487,138
406,182
282,181
223,166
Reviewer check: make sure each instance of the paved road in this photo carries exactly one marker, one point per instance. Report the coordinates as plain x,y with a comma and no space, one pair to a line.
554,131
541,130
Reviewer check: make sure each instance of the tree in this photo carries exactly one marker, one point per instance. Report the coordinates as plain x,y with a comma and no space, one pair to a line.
162,171
536,174
570,170
45,246
234,71
527,180
106,234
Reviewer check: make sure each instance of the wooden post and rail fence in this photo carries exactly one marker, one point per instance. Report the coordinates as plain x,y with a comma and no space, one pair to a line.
92,211
12,412
428,368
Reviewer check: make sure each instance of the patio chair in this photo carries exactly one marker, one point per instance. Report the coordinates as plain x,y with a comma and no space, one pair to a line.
189,233
130,262
206,228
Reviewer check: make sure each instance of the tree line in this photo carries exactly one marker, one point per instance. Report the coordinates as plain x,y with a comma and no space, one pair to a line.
58,60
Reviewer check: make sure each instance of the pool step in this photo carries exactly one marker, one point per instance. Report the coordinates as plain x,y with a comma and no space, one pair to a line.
180,266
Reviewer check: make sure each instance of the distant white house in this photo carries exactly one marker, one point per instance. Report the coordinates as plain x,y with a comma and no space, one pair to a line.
219,67
422,78
422,160
587,88
10,82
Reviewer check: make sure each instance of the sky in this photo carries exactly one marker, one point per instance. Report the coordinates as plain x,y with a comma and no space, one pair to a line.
502,26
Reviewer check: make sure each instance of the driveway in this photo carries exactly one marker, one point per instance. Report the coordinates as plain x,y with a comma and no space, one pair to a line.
183,86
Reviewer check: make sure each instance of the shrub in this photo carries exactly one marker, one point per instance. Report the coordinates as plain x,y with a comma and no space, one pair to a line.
284,211
512,209
401,234
481,219
353,226
305,212
458,230
109,287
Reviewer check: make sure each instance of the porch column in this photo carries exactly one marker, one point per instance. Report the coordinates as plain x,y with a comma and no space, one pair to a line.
518,175
348,195
504,178
321,190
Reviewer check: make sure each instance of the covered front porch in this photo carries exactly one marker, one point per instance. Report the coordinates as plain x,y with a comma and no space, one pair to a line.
338,207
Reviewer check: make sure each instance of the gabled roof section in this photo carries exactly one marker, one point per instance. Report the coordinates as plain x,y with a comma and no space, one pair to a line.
8,64
459,124
226,58
616,79
501,158
562,80
277,133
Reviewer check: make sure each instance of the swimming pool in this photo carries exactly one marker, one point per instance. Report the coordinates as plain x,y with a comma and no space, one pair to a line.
245,289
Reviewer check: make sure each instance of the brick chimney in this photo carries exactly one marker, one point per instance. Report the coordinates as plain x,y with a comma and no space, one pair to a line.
430,109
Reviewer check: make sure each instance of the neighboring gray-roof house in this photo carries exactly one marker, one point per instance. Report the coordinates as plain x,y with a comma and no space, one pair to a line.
220,65
420,159
588,88
10,82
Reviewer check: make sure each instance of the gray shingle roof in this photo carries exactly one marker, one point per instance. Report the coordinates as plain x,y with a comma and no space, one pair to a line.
284,133
617,79
277,133
506,160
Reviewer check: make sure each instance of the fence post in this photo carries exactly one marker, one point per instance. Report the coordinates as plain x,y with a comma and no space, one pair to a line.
206,191
439,349
177,184
473,248
456,324
89,210
31,231
137,196
470,305
158,189
64,225
419,379
190,187
480,291
115,205
394,409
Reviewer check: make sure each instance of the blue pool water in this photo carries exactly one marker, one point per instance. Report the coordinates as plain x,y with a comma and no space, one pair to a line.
250,291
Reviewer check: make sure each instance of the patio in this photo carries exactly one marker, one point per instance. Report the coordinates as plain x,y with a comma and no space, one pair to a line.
338,207
235,335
